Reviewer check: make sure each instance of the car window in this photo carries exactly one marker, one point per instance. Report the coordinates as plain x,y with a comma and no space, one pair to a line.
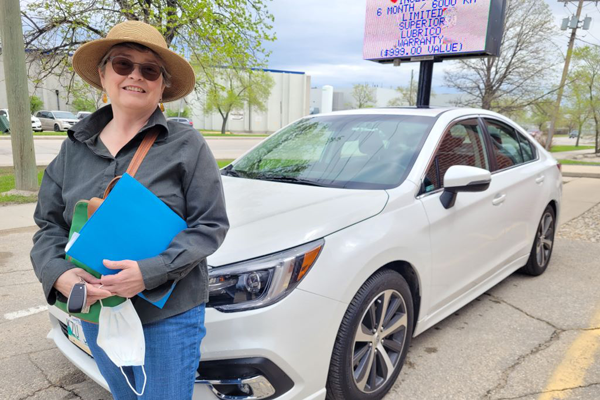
462,144
527,148
506,146
349,151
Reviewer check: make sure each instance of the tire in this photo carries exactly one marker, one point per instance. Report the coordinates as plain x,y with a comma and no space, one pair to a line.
543,244
56,128
358,348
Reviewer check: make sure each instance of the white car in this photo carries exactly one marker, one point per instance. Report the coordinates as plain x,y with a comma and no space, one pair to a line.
353,232
36,125
57,120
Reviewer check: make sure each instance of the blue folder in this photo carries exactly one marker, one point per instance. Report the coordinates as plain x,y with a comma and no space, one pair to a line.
131,224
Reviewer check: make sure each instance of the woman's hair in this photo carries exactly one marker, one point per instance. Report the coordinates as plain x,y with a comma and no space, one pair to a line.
138,47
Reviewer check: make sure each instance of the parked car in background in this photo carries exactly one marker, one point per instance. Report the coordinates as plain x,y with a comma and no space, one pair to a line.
351,233
181,120
83,114
36,125
56,120
573,134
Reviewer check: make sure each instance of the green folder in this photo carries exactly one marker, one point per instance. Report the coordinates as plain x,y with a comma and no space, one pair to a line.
79,219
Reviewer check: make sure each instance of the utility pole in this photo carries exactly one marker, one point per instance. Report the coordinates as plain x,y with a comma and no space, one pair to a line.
15,75
561,88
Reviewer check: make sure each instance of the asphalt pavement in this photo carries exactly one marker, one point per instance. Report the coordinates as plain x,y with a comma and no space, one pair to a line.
527,338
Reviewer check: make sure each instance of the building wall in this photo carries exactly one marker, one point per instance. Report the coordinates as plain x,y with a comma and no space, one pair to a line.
44,90
343,99
289,101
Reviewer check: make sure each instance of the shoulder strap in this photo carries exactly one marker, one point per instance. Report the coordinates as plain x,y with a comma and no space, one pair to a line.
141,152
137,159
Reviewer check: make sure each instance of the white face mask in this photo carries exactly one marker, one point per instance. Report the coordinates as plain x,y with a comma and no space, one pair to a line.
121,336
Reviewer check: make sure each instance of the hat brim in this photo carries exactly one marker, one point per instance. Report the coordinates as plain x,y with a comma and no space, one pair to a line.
89,55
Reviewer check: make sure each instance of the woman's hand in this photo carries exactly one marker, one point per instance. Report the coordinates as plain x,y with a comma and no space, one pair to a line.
128,282
68,279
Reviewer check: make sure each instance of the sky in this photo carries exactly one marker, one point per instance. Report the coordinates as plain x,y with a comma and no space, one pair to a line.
324,39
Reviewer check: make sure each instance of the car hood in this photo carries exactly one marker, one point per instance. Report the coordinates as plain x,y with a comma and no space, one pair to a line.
266,217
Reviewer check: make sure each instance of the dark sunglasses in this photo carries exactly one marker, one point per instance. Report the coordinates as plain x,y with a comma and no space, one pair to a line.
124,66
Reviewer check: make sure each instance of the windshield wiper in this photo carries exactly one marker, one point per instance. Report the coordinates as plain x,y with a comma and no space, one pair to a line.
228,171
289,179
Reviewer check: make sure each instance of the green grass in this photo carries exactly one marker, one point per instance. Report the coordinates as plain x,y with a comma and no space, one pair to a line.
577,162
223,163
559,149
49,133
7,182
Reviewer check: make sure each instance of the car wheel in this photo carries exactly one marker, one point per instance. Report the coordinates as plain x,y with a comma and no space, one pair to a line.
373,339
542,245
56,128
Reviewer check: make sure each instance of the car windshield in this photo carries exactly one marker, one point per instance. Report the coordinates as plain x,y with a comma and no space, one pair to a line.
64,115
344,151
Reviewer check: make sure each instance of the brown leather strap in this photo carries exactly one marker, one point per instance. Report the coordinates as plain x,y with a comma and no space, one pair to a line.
141,152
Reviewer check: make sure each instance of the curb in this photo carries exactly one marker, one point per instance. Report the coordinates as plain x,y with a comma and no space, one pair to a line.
581,175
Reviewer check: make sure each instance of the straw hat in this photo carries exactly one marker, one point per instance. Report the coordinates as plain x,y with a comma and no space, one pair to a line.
87,57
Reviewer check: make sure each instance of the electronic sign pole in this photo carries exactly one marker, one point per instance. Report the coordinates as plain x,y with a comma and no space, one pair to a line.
430,31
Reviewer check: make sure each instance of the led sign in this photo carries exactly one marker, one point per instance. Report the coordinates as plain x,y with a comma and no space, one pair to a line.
414,29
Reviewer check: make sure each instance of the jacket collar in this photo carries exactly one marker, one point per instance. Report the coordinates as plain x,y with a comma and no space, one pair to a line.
93,124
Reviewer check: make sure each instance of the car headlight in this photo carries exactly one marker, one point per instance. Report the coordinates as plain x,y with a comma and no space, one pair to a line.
260,282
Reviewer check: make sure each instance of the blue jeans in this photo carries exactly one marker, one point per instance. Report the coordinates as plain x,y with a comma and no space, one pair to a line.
172,358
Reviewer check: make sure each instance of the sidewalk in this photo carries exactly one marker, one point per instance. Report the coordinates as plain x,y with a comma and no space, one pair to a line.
579,195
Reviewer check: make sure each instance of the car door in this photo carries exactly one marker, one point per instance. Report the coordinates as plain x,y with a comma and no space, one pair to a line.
519,177
467,239
43,116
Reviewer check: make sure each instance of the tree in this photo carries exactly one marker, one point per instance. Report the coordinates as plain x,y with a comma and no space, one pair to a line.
185,113
233,89
84,97
587,74
577,108
364,95
202,30
35,104
407,95
516,78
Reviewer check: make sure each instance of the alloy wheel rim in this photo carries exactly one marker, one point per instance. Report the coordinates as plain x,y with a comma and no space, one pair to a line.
545,236
379,341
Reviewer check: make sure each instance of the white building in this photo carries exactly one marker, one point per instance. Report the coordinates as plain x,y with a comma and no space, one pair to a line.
343,99
289,101
51,91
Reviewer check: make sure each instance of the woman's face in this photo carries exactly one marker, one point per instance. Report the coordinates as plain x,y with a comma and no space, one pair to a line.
132,93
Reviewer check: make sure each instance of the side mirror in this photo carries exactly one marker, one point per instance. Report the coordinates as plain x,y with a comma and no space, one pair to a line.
461,178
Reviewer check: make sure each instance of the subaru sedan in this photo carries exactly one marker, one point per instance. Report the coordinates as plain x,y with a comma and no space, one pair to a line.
352,233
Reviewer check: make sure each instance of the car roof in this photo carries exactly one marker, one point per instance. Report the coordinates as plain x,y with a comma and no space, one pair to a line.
433,112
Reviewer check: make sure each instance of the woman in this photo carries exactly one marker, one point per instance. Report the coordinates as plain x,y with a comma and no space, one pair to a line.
134,68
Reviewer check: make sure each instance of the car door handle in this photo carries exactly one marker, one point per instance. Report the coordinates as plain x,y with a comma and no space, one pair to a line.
499,199
540,179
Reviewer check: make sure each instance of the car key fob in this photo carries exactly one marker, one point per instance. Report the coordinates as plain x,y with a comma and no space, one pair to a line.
77,298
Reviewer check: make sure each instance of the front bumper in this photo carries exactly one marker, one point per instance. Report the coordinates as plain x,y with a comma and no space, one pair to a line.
294,337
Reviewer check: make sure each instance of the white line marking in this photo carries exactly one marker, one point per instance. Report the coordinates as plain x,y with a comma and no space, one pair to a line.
25,313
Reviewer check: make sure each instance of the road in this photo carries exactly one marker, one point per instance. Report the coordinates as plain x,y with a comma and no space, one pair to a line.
46,149
527,338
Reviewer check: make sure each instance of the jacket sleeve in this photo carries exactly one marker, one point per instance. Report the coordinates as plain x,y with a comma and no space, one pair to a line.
206,220
48,252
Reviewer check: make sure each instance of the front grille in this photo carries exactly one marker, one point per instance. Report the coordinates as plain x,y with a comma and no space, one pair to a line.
64,329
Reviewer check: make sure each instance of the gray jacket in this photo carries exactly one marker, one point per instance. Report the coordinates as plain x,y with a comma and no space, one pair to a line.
179,168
